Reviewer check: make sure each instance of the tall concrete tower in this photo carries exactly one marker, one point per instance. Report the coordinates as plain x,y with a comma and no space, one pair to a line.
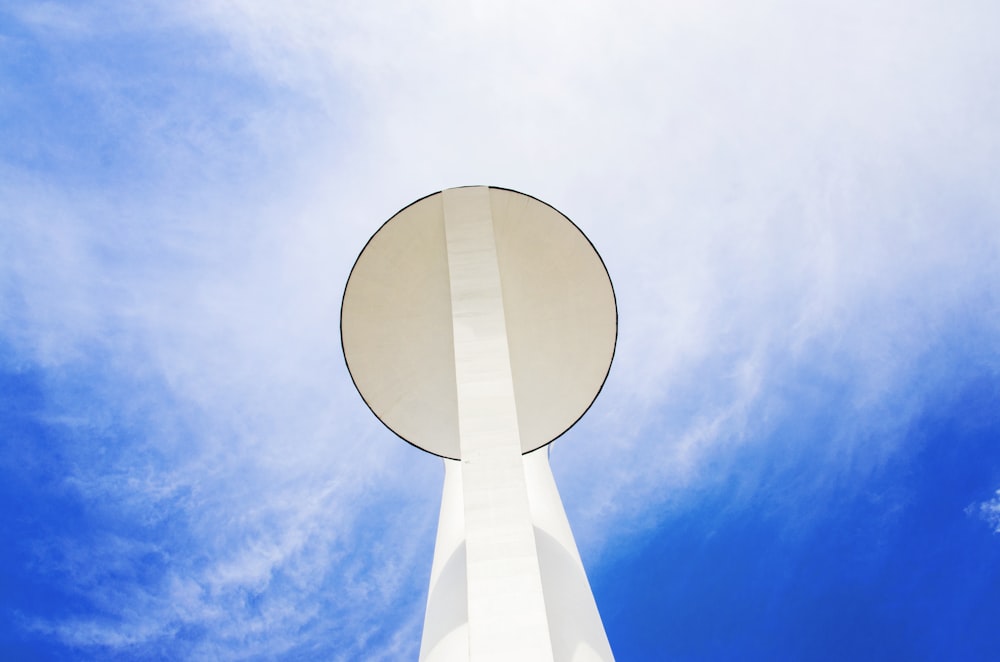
479,324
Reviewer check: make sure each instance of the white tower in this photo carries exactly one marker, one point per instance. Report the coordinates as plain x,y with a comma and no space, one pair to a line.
479,324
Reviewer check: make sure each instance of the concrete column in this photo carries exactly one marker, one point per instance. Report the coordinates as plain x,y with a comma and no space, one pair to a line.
506,604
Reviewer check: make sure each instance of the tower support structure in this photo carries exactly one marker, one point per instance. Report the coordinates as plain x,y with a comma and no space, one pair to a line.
479,324
572,620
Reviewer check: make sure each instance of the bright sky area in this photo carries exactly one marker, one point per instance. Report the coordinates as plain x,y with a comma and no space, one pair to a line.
796,455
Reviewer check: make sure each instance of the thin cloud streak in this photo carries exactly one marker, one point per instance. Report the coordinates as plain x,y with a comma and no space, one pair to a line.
989,511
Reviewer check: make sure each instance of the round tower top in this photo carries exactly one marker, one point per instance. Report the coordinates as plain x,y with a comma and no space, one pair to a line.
398,331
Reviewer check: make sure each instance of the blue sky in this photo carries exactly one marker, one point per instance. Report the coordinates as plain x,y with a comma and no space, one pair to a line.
797,452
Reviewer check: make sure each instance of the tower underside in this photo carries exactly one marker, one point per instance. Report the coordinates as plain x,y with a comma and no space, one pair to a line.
479,324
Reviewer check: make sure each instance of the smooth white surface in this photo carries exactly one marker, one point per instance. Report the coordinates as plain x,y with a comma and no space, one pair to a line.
446,619
506,606
575,626
559,307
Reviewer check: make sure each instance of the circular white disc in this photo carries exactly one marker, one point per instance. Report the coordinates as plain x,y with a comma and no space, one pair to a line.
558,303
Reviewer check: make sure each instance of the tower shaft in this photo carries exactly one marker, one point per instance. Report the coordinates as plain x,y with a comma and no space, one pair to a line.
573,621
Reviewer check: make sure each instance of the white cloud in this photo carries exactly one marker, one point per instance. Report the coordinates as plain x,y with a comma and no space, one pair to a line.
989,511
776,189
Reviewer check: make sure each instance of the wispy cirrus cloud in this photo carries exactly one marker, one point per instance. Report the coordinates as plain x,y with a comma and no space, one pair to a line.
989,511
795,204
